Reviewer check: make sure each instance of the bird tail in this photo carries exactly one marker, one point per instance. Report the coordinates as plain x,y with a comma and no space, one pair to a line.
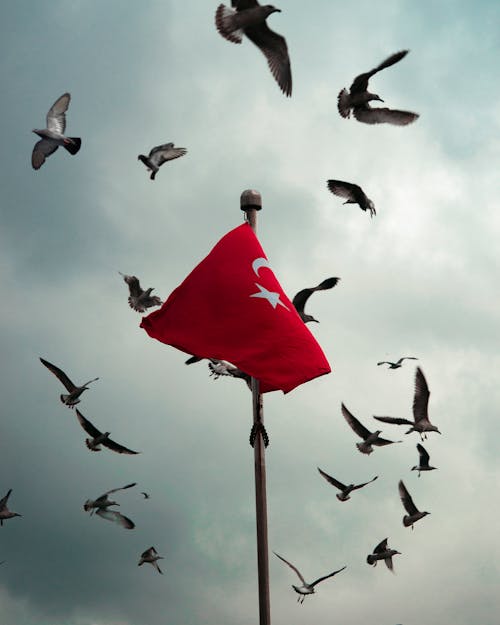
74,146
224,22
64,399
87,442
343,104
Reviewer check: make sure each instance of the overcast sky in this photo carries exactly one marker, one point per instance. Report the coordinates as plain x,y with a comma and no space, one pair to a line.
420,279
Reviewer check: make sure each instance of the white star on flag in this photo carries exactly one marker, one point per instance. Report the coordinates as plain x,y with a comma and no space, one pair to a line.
272,297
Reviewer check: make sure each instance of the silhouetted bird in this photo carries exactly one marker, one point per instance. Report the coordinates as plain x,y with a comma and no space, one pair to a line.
5,513
299,301
306,589
53,136
345,490
159,155
74,391
358,98
414,513
353,193
248,17
369,438
100,438
398,364
138,299
383,552
146,495
423,460
151,556
101,504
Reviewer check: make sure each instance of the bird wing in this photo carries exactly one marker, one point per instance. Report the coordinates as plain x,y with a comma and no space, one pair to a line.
360,83
192,360
332,480
382,546
356,426
347,190
421,397
406,358
114,446
166,152
157,567
320,579
114,490
42,149
56,118
410,507
369,115
134,286
86,425
148,552
116,517
364,483
424,456
292,567
385,362
3,501
394,420
60,375
381,442
300,299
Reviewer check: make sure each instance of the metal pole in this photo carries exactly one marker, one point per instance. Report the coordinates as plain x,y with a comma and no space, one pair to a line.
251,202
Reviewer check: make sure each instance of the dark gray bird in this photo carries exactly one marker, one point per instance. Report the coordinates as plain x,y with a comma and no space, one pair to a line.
74,391
248,17
53,136
299,301
146,495
159,155
423,460
383,552
354,194
420,423
100,438
369,438
306,589
101,504
414,513
151,556
5,513
398,364
344,495
138,299
358,97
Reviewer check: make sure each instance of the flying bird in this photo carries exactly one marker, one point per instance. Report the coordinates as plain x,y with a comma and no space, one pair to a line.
100,438
248,17
101,504
344,495
423,460
220,368
53,135
74,391
414,513
383,552
354,194
300,300
151,556
138,299
421,421
159,155
146,495
358,97
369,438
306,589
5,513
398,364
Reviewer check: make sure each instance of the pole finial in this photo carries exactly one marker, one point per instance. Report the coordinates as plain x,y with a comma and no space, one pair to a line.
250,200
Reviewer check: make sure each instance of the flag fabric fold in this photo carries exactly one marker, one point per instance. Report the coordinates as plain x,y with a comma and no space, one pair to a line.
232,307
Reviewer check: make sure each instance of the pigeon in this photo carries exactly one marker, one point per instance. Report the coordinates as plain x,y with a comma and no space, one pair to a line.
353,193
53,136
300,300
74,391
5,513
100,438
358,98
383,552
248,17
151,556
344,495
398,364
159,155
101,504
414,514
306,589
421,421
369,438
138,299
423,461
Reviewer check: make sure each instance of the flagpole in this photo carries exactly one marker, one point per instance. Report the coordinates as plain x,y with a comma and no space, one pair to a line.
251,202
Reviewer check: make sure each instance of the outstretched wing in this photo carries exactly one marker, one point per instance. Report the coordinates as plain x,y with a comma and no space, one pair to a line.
356,426
421,397
410,507
332,480
347,190
86,425
300,299
369,115
382,546
320,579
406,358
114,446
424,456
364,483
166,152
56,118
116,517
292,567
394,420
60,375
134,286
360,83
114,490
42,149
3,501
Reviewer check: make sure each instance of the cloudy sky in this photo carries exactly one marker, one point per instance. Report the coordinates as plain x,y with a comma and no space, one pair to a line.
419,279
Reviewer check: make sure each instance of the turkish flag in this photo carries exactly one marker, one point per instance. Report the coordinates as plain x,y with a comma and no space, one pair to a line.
232,307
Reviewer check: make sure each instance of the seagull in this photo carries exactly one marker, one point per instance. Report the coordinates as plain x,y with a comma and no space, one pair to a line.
300,300
138,299
53,136
151,556
383,552
345,490
358,99
398,364
414,514
101,504
305,589
5,513
354,194
159,155
423,461
72,398
146,495
100,438
248,17
421,421
369,438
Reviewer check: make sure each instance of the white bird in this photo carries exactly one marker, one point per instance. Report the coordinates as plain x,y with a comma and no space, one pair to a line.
159,155
414,513
53,136
369,438
74,391
398,364
151,556
139,299
383,552
5,513
300,299
423,460
346,490
101,504
100,438
306,589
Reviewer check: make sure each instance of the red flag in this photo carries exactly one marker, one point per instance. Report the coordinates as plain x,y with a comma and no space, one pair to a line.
232,307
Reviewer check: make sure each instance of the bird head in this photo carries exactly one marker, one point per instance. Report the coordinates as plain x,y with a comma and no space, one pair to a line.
272,9
374,96
307,318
